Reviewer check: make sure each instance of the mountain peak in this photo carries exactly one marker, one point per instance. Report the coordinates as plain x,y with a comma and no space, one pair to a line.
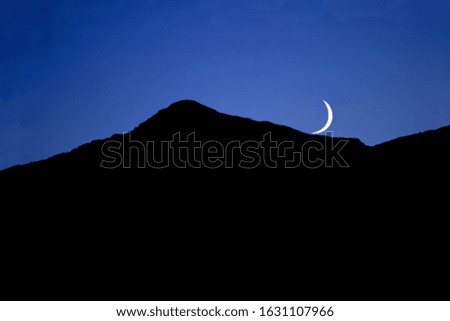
189,106
179,115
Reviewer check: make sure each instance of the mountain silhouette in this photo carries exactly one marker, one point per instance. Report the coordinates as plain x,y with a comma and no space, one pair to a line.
325,218
184,118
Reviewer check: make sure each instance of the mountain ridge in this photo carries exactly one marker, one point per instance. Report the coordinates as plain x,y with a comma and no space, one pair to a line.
189,116
338,233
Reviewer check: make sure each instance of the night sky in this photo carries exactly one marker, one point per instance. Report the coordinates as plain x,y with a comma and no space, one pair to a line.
74,71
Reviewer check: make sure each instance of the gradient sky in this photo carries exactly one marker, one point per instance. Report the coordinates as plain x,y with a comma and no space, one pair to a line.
74,71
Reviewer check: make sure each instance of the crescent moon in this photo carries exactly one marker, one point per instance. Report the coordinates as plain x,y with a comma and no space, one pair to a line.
329,121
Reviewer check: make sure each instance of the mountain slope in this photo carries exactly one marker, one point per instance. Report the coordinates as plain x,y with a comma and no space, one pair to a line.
423,152
324,233
177,122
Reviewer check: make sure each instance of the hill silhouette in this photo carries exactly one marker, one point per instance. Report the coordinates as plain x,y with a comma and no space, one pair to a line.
184,118
347,222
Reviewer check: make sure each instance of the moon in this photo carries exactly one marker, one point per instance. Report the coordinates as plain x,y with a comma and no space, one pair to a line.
329,121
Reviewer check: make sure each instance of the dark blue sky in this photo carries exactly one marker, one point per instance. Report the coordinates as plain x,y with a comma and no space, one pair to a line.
74,71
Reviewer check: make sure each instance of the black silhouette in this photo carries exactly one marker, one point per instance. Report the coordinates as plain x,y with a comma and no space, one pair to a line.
372,230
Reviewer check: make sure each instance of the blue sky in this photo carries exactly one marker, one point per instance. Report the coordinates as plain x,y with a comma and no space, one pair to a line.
74,71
